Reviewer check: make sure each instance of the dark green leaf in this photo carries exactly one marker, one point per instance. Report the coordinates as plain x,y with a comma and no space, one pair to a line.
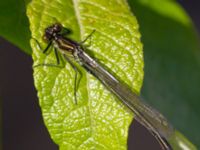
172,63
14,24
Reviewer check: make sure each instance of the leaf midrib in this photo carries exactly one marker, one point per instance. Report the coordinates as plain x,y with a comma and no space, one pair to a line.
77,13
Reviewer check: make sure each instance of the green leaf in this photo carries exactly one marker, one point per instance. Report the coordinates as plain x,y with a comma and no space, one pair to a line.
99,121
172,58
14,24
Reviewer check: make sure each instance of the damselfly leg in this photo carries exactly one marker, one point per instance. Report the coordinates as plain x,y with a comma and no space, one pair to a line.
88,37
48,48
47,51
76,79
57,56
66,31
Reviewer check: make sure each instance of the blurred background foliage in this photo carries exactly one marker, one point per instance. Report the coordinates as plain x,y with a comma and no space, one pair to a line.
172,63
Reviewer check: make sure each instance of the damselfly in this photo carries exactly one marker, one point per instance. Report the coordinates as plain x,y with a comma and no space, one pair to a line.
154,121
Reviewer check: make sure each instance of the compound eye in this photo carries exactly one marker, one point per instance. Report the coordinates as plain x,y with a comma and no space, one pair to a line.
57,27
46,37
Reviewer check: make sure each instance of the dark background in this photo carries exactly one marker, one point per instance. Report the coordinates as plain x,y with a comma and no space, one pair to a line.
23,127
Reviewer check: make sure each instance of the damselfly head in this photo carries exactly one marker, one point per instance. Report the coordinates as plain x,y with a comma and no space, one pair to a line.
52,31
